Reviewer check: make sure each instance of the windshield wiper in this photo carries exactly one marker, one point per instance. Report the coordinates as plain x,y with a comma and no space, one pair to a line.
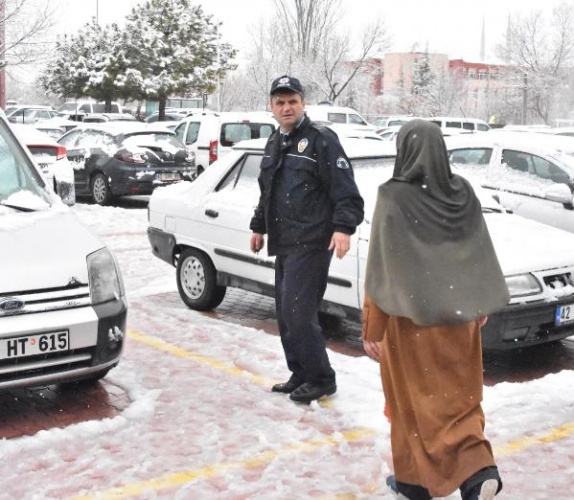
17,207
490,210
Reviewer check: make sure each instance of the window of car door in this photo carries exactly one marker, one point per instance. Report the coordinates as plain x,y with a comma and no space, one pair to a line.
471,156
242,178
548,170
356,120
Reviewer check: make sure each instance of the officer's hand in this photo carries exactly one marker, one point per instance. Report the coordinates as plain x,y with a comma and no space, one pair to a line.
257,242
341,243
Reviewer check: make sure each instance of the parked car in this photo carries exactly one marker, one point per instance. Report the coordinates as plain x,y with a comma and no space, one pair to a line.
109,117
454,122
202,229
125,158
30,114
62,301
532,173
210,136
392,121
338,114
51,159
78,109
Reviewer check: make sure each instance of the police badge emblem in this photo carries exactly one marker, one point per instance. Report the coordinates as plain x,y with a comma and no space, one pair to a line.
303,143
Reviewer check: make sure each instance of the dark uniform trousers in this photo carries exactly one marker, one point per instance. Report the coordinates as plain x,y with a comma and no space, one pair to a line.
300,283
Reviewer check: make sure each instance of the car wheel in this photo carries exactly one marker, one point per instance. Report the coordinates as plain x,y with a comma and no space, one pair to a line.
568,206
101,193
196,281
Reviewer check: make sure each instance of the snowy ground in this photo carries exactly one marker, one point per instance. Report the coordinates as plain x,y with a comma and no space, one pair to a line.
203,425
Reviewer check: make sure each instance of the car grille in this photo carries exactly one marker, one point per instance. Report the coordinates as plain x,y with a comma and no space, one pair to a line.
562,282
51,299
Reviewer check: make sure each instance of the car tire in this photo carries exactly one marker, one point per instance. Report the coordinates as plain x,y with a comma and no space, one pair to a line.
197,281
101,193
568,206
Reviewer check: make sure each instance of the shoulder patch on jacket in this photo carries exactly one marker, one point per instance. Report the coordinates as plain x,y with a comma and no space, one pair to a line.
342,163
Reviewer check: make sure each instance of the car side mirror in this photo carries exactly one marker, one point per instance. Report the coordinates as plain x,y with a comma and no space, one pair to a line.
560,193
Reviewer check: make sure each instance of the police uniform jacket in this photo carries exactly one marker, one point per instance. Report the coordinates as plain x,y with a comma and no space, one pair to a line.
308,190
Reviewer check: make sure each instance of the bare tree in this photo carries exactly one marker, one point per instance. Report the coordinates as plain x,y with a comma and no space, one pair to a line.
306,38
24,24
541,51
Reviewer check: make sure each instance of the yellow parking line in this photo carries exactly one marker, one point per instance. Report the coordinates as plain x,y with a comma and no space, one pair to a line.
180,352
526,442
507,449
258,460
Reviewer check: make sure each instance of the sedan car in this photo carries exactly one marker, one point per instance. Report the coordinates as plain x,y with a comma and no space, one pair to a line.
109,117
51,158
532,173
125,158
202,229
31,114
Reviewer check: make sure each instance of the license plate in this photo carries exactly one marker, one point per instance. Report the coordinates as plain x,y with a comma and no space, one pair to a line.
564,314
44,343
169,176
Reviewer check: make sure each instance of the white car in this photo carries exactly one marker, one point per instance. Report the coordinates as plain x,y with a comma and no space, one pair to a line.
532,173
63,306
202,228
51,158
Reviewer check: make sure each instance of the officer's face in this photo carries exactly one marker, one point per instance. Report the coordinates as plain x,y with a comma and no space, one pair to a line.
288,109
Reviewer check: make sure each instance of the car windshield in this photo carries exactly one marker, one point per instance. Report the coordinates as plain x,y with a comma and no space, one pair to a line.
21,185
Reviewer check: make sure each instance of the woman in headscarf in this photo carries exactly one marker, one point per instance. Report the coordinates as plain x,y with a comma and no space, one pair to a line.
432,278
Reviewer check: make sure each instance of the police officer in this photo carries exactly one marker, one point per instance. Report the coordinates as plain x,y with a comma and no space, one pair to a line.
309,206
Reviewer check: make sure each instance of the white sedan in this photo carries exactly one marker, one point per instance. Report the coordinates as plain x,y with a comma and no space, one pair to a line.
202,228
51,158
532,173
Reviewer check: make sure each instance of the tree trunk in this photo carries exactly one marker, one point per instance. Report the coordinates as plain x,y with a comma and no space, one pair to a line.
162,102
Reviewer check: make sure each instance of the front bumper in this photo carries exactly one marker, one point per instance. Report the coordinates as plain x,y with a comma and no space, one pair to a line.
96,341
521,325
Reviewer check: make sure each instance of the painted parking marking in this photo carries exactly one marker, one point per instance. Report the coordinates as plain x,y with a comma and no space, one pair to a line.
507,449
518,445
184,477
180,352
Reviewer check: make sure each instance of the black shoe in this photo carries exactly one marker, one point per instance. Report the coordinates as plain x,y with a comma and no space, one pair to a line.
286,387
410,491
482,485
307,392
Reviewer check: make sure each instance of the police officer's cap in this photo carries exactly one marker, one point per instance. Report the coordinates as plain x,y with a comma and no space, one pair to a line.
286,84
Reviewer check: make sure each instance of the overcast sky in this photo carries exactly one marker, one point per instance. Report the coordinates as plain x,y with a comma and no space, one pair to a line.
453,27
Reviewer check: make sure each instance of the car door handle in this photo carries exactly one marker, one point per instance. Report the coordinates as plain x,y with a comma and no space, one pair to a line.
212,213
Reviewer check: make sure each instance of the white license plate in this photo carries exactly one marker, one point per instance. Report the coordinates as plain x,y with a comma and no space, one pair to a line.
44,343
564,314
169,176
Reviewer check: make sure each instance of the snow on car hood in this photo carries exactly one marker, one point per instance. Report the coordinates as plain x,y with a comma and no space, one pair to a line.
43,249
523,245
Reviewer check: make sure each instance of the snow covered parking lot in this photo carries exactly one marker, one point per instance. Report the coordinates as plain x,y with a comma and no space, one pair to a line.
202,423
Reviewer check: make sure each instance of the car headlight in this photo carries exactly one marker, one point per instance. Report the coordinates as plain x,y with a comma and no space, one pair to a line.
522,284
105,280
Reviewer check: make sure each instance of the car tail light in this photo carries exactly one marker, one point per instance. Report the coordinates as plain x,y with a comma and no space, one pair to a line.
60,152
212,151
130,157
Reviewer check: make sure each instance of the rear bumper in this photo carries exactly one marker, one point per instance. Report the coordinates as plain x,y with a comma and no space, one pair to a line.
162,244
521,325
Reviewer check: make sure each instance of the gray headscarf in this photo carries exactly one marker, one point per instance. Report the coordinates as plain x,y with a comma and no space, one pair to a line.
431,258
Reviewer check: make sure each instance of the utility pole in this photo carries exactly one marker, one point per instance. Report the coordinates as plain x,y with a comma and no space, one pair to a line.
524,98
2,54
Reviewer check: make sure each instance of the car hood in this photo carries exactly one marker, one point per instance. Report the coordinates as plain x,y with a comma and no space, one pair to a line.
523,245
44,249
